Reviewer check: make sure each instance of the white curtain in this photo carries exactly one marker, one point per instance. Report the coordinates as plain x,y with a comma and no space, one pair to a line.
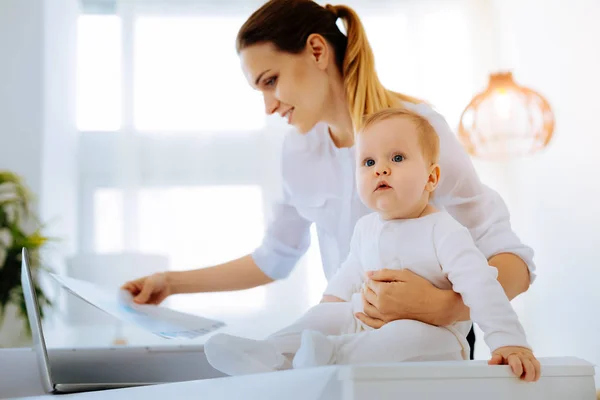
176,156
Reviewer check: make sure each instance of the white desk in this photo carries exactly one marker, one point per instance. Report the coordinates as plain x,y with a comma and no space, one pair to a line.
563,378
19,375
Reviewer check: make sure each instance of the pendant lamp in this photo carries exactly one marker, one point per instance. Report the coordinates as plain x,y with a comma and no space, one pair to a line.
506,120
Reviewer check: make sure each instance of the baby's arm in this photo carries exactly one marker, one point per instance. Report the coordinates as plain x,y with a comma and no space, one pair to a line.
471,276
346,281
350,276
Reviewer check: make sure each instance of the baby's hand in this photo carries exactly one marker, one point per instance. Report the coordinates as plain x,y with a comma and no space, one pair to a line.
521,360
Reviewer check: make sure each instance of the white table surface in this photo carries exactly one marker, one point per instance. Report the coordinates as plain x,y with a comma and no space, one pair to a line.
18,367
565,379
308,384
21,363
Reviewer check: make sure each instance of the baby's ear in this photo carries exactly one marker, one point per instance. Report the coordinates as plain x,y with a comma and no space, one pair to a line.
434,178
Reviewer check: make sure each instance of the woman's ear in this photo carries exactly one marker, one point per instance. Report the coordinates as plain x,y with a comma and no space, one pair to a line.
433,179
317,47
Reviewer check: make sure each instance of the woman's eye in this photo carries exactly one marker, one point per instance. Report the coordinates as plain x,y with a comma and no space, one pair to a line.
398,158
271,81
369,163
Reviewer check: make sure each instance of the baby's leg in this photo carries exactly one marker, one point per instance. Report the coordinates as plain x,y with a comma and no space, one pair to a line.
326,318
404,340
240,356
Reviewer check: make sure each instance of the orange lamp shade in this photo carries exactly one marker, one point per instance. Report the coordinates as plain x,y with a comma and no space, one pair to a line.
505,120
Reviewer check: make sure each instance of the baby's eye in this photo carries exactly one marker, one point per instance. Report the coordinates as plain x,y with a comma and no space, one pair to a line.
398,158
369,163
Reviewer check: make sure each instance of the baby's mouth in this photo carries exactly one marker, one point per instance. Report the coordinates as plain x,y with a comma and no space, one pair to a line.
382,186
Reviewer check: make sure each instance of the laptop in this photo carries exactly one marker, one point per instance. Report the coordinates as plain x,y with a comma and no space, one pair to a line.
86,369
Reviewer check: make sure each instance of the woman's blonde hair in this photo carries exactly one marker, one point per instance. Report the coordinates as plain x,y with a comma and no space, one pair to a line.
288,24
366,95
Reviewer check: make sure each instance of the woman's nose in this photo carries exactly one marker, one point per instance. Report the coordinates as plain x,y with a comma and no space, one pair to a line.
271,103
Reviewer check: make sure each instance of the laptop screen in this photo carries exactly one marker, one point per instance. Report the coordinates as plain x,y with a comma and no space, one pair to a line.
35,321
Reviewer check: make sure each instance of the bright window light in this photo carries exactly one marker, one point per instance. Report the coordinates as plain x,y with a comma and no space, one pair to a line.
187,76
203,226
108,221
99,73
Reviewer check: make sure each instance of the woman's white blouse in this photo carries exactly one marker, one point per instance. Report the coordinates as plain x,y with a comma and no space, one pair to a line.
319,187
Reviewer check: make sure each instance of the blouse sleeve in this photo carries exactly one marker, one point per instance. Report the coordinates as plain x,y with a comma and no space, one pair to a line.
470,202
286,240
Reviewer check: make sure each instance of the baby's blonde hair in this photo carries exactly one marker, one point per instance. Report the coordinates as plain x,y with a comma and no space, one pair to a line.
429,140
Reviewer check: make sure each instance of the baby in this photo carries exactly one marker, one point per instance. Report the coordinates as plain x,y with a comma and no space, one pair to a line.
397,173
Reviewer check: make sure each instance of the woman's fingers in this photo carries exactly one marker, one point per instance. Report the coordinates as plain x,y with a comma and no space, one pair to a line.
370,310
370,296
372,322
134,287
144,295
386,275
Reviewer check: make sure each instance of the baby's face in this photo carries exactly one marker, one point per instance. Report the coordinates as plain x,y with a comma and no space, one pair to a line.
392,173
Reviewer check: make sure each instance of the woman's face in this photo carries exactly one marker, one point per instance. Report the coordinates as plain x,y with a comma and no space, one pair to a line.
293,85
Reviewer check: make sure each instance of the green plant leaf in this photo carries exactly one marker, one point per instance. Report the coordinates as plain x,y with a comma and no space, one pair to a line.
25,229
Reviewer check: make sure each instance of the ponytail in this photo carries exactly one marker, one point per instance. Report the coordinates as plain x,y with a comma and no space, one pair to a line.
365,93
288,23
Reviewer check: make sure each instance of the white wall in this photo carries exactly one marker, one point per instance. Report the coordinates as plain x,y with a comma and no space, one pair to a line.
21,93
37,105
59,152
554,47
37,108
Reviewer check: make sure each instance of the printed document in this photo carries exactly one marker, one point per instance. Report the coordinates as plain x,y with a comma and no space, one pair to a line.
161,321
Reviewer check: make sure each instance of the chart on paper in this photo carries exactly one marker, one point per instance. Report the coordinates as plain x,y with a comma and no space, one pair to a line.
161,321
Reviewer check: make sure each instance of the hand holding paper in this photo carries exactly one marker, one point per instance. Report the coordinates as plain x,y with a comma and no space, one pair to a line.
159,320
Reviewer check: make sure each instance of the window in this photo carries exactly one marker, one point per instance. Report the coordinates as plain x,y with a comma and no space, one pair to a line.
108,221
204,226
187,76
194,193
99,73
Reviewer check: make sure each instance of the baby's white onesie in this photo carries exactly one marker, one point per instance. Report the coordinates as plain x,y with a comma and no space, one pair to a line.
436,247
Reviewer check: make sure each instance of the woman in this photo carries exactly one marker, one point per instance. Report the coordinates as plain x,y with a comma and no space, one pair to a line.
324,82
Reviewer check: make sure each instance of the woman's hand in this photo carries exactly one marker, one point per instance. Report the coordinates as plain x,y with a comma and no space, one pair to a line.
401,294
327,298
521,360
152,289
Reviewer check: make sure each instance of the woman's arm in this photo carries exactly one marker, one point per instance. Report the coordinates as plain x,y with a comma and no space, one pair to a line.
239,274
331,299
402,294
286,240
